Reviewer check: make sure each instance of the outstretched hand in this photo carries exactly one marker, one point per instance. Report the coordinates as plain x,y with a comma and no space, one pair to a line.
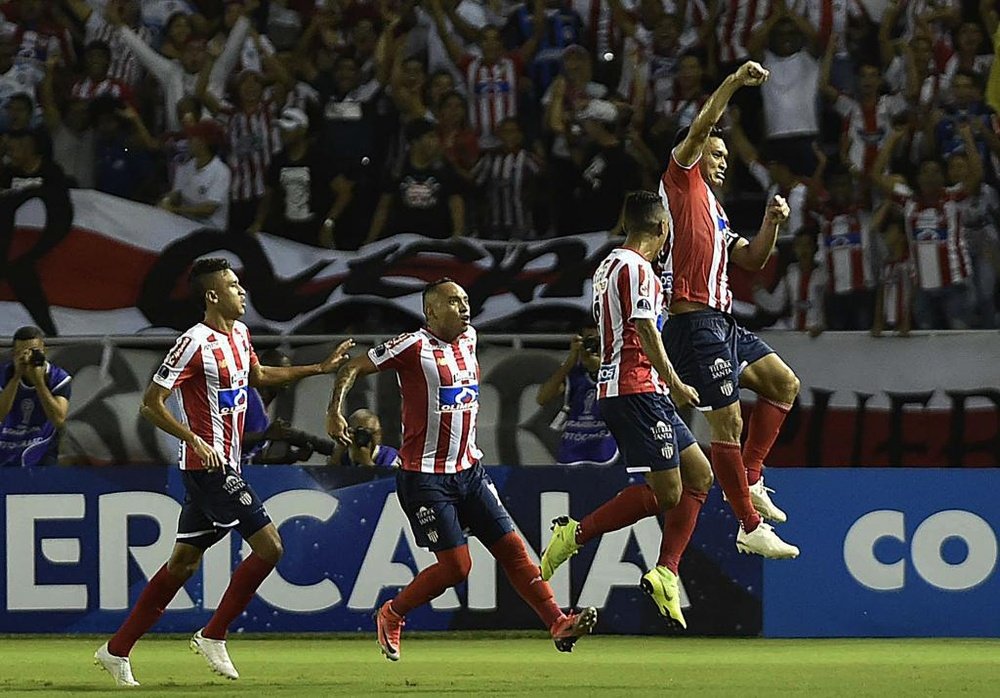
338,357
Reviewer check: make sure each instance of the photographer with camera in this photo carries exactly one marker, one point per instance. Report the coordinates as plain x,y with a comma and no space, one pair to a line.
269,441
366,449
34,402
585,437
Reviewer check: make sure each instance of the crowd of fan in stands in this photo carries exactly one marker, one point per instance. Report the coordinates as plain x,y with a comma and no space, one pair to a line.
339,122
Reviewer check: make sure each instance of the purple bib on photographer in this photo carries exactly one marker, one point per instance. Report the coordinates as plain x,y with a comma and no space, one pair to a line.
27,437
585,436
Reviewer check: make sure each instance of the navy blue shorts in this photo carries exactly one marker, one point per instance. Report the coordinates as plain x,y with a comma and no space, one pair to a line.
709,350
650,434
216,503
441,508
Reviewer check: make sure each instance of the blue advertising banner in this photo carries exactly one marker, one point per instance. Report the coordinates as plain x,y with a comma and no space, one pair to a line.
886,553
78,545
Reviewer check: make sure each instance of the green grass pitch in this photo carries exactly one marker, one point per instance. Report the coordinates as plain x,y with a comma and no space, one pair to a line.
459,664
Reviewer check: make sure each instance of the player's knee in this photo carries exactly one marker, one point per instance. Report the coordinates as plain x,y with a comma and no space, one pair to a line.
272,550
729,428
669,496
458,567
699,479
183,566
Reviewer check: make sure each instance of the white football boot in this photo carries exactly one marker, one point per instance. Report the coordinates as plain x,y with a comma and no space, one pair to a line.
120,668
215,653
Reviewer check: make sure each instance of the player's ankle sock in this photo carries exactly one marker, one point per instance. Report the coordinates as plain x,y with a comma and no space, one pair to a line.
451,568
765,423
162,588
732,476
628,506
526,578
243,585
678,525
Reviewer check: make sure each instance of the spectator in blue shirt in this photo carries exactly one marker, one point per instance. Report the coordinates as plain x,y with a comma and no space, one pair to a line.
34,403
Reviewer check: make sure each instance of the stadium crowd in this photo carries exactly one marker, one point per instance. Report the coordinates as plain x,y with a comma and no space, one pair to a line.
339,122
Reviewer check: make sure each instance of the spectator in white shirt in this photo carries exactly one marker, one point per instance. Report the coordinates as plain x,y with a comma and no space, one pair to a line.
201,185
796,302
791,93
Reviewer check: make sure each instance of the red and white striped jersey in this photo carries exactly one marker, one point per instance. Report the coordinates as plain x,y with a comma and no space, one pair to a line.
125,65
253,138
492,91
88,89
625,289
209,372
937,241
439,384
735,24
696,255
866,127
830,17
845,240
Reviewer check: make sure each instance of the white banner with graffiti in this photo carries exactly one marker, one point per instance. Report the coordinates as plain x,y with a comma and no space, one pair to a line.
121,269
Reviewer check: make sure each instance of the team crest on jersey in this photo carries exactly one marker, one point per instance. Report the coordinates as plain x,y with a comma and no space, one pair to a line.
720,368
458,398
232,400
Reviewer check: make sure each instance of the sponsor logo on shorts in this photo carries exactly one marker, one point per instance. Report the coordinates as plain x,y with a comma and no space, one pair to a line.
663,432
720,368
607,373
667,450
458,398
233,484
232,400
246,499
428,522
726,388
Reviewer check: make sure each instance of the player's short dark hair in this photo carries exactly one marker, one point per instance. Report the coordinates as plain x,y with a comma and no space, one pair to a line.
716,132
429,288
28,332
642,213
200,270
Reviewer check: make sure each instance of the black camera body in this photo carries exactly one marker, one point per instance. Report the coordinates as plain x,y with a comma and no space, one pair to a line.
592,344
361,437
37,357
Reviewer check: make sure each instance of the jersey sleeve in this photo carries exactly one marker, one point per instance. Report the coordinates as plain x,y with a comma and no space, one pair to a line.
60,382
637,284
679,177
392,354
178,365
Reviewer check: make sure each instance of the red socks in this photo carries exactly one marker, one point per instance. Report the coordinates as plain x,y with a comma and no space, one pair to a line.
765,423
630,505
678,525
526,578
732,476
243,585
451,568
160,591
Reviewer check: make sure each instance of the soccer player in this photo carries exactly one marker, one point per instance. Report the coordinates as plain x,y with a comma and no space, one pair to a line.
633,383
702,339
440,484
210,367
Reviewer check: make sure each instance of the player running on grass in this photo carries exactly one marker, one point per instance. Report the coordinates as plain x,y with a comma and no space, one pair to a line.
210,367
633,383
441,485
711,352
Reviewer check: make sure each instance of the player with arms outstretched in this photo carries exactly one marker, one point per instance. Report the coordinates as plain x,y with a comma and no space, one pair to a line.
210,369
711,352
440,484
633,387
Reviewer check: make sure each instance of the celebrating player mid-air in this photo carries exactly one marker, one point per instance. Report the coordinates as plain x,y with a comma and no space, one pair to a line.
632,386
211,367
710,351
440,484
